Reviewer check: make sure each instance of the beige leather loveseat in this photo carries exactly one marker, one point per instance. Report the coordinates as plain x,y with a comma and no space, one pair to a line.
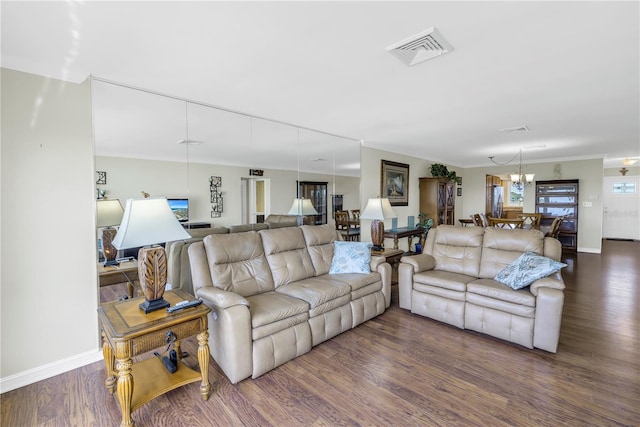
453,281
272,298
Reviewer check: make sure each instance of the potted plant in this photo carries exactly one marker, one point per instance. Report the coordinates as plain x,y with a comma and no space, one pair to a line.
426,224
440,170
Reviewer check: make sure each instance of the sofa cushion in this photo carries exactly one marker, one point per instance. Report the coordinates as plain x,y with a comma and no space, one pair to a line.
321,293
319,239
502,246
456,249
351,257
444,279
526,269
272,312
287,255
237,263
497,291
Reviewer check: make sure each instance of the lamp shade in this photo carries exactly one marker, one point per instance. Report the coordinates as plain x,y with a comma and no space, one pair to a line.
109,212
378,208
302,207
148,222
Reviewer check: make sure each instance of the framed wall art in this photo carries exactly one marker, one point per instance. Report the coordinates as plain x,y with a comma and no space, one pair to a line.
394,182
101,177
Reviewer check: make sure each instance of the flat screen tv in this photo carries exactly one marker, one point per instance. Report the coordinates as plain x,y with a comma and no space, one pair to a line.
180,208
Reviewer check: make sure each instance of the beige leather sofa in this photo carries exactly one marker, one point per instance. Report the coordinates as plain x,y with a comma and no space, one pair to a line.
178,271
453,281
272,298
279,221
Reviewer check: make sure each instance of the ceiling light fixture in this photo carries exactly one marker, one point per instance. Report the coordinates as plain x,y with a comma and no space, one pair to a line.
519,179
629,161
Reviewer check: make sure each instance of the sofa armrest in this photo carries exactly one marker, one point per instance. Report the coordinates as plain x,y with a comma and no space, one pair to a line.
419,262
219,298
410,265
384,268
553,281
230,339
376,261
546,328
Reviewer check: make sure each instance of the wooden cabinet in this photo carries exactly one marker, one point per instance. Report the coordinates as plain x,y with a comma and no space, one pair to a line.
559,198
317,193
438,200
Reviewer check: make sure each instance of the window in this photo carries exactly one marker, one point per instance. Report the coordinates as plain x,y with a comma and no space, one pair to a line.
516,194
624,188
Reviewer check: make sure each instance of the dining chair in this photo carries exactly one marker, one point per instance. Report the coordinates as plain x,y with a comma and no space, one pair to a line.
477,220
508,223
531,220
554,230
343,227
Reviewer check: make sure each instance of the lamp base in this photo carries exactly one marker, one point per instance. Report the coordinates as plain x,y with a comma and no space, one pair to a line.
377,234
152,305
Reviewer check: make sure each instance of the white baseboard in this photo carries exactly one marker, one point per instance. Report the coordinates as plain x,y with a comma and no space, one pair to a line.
49,370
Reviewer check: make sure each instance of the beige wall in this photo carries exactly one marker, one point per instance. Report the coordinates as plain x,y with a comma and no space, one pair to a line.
126,178
48,252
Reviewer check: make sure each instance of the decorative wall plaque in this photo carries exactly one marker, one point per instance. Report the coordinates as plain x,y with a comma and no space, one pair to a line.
215,182
102,177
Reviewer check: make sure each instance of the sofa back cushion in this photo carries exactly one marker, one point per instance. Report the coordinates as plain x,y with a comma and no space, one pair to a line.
237,263
456,249
502,246
287,255
319,240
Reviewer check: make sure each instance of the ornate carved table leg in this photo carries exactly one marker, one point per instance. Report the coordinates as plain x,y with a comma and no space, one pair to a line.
109,360
395,242
203,361
125,382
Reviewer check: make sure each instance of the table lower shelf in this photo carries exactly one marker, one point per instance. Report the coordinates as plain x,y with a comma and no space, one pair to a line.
151,379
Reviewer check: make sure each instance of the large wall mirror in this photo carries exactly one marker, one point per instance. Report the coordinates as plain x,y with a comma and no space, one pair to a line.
169,147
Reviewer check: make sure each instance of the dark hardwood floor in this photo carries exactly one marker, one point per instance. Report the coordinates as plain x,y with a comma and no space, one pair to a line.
402,369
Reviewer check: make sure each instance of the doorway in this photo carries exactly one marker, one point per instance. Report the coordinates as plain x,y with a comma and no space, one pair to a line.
621,208
256,202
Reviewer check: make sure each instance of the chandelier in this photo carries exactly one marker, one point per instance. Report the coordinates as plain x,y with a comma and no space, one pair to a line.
519,179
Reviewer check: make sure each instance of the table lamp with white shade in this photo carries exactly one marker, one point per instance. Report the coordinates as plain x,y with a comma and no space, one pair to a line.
378,210
302,208
148,222
108,214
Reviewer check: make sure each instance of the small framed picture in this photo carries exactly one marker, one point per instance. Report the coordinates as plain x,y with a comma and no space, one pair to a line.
459,180
459,191
102,177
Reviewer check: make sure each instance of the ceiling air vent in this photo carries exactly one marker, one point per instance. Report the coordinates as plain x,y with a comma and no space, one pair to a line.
420,47
515,129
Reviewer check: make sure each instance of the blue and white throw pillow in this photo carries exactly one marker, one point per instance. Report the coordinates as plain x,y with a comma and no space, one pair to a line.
526,269
351,257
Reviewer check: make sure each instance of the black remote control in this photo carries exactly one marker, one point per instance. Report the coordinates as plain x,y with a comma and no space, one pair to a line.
194,303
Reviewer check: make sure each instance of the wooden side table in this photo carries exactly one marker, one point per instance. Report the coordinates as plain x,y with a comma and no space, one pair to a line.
125,272
398,233
393,257
127,331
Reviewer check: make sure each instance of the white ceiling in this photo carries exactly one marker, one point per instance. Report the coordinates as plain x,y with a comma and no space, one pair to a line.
569,71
